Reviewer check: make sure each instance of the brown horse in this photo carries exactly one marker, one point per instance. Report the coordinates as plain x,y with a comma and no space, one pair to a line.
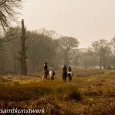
45,74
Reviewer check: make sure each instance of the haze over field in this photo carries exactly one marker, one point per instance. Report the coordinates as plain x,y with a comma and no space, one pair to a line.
47,70
86,20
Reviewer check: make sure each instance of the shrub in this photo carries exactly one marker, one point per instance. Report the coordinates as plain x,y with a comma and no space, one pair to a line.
68,92
16,83
73,95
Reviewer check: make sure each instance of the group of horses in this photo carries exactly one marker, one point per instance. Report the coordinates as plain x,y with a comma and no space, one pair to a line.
65,74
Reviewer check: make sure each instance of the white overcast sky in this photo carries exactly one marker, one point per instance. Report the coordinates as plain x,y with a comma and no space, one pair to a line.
86,20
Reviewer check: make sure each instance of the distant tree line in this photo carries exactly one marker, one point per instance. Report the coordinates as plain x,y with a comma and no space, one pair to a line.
48,46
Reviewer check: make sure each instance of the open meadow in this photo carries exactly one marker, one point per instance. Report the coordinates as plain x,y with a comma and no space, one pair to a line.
91,92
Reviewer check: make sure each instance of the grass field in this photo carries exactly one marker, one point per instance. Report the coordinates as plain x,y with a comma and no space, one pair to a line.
91,92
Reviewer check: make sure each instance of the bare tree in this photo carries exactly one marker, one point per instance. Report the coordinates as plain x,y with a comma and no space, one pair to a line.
66,45
14,45
113,41
86,59
39,49
8,48
8,12
101,50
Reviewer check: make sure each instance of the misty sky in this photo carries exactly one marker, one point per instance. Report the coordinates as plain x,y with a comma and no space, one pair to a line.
86,20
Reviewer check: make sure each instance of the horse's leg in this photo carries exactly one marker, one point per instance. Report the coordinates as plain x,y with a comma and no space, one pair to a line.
52,75
50,78
68,76
46,78
64,79
71,77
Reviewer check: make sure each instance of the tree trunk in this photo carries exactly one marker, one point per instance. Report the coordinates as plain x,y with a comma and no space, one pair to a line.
23,50
23,59
100,63
66,60
33,68
104,63
85,66
75,63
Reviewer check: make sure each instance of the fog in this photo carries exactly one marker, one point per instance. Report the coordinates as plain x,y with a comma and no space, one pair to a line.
78,33
86,20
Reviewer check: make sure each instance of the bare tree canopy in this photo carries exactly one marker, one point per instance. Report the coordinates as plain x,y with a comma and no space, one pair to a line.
101,49
8,12
66,45
113,41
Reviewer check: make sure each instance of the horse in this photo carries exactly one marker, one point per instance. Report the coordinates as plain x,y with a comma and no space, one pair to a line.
51,75
45,73
70,74
64,75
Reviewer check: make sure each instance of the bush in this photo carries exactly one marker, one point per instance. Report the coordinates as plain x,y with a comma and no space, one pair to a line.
68,92
73,95
16,83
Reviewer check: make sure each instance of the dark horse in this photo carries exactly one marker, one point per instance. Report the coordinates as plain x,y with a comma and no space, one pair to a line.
64,75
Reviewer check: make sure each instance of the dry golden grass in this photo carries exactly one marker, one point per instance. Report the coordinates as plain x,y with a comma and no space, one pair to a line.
91,95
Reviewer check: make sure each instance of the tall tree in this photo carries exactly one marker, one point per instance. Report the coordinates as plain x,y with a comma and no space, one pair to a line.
39,50
13,46
23,59
101,50
66,45
8,48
